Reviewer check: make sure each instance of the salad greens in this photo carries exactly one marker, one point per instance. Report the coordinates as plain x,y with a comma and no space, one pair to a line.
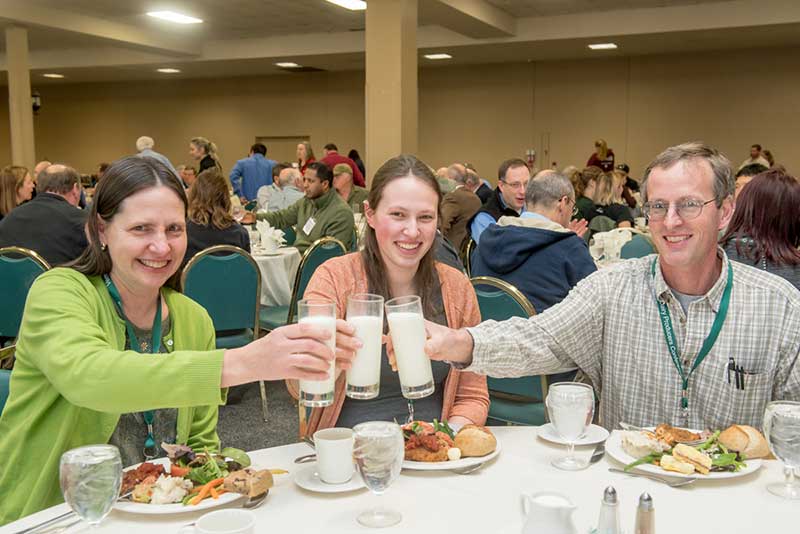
721,458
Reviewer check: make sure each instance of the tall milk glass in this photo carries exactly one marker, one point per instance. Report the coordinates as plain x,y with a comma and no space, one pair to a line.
407,328
365,313
320,313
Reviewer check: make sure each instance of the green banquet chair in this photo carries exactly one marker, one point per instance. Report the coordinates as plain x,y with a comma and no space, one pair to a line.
19,267
638,247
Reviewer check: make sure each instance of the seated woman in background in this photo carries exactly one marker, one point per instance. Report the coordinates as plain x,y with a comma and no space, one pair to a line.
765,228
16,187
210,221
608,199
397,260
585,184
110,352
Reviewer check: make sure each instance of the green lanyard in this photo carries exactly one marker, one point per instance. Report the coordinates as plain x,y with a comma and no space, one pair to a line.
669,335
149,450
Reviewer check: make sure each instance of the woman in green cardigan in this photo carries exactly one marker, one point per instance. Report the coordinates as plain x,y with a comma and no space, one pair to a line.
110,352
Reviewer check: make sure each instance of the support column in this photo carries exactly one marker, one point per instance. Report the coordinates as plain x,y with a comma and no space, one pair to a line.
20,113
391,81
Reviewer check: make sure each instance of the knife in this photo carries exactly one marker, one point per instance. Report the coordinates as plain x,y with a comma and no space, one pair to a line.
598,453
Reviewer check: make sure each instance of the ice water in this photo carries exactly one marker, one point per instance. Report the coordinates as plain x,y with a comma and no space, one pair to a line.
570,409
320,392
782,430
408,338
90,480
378,449
363,378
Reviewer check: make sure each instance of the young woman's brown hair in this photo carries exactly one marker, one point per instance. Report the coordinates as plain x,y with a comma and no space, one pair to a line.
210,201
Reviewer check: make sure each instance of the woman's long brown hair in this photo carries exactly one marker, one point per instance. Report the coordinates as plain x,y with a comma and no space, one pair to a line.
401,166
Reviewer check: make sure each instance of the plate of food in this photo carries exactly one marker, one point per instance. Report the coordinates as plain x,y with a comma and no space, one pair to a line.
189,481
436,447
686,453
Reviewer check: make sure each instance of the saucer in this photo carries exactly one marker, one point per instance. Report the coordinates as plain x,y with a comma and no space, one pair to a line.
308,479
594,434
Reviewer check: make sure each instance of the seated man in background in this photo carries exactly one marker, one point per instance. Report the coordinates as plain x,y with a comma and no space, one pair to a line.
50,224
508,198
353,195
745,174
459,205
285,190
321,213
537,252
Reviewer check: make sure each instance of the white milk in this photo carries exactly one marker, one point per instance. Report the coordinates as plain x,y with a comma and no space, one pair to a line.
408,337
322,386
366,369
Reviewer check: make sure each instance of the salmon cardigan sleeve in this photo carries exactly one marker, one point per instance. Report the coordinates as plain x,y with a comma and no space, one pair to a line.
465,394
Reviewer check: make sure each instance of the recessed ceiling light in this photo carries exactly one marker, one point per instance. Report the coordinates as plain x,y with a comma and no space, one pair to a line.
288,65
174,17
53,75
603,46
438,56
169,71
352,5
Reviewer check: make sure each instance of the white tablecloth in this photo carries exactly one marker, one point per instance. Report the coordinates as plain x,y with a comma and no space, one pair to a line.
277,275
488,501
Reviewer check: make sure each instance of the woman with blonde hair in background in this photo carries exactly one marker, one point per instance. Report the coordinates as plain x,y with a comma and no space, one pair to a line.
16,187
204,151
602,156
608,199
305,155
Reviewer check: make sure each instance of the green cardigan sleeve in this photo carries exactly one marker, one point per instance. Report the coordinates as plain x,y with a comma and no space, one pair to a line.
75,338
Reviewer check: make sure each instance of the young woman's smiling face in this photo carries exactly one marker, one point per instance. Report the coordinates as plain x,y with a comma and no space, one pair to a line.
405,222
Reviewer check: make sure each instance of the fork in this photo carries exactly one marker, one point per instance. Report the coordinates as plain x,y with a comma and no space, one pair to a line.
671,483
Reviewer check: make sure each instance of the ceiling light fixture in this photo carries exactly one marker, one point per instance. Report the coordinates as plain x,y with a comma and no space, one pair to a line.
174,17
438,56
603,46
288,65
352,5
53,75
168,71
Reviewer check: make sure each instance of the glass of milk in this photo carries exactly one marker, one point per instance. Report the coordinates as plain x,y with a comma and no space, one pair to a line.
407,328
320,313
570,406
365,313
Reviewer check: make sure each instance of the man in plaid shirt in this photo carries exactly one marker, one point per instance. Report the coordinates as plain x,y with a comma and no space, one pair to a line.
734,330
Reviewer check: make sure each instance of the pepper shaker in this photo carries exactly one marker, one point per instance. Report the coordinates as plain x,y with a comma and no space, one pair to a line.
645,515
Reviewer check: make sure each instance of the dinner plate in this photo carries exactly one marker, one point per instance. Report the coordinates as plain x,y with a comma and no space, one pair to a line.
615,450
175,508
307,478
446,466
594,434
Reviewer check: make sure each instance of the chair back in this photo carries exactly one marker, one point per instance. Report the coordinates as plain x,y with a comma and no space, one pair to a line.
5,378
601,223
318,253
638,247
467,248
289,235
499,300
354,243
226,281
19,267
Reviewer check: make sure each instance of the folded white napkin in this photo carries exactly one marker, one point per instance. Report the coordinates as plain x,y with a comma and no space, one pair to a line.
271,238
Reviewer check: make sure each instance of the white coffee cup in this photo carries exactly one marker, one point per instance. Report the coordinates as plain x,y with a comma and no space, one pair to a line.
269,246
334,454
231,521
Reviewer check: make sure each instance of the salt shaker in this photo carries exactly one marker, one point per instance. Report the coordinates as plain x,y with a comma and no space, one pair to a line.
645,515
608,523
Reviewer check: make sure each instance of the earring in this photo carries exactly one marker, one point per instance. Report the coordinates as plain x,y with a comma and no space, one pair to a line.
103,247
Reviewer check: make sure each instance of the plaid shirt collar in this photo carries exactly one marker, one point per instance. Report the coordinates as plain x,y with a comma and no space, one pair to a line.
713,296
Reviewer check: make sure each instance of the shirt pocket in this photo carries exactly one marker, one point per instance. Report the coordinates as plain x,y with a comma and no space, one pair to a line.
746,406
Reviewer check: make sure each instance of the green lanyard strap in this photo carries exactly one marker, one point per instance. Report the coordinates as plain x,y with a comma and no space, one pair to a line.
149,450
669,336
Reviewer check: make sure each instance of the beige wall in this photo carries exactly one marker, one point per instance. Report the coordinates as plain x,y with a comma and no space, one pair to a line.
481,114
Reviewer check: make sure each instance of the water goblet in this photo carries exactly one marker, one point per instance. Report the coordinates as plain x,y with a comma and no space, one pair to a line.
90,479
378,449
782,430
238,213
570,406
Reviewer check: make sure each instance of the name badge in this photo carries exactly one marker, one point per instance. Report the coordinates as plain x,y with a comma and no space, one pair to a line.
309,225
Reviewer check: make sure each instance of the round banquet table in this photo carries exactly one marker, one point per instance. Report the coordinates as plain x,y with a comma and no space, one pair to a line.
488,500
277,275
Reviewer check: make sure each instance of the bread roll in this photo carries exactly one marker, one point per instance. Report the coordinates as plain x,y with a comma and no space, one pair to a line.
474,440
745,440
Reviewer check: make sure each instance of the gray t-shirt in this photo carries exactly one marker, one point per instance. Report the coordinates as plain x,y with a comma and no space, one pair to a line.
390,404
131,429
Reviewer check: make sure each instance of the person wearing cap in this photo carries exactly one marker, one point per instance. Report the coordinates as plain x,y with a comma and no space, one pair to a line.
630,187
353,195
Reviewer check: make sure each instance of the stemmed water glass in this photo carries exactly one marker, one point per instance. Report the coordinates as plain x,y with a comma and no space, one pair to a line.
570,406
782,430
90,480
238,213
378,449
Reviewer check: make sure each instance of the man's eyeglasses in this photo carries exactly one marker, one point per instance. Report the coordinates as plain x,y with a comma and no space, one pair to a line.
686,209
574,205
516,185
